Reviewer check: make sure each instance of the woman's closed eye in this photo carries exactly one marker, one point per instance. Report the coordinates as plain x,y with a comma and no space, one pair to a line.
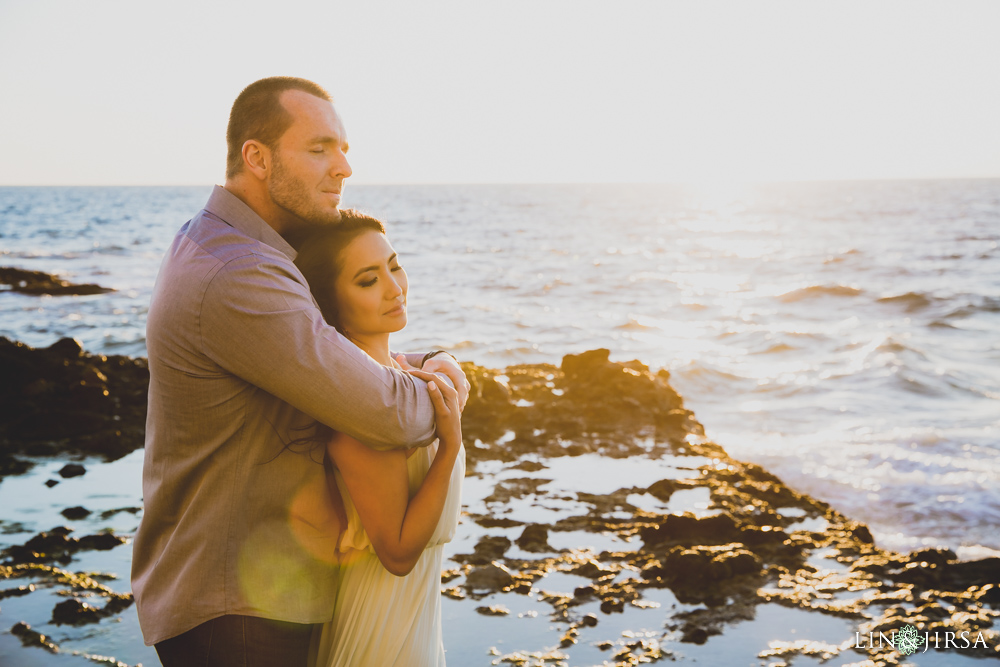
368,283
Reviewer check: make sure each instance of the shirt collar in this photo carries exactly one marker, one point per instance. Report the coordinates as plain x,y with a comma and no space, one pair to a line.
233,211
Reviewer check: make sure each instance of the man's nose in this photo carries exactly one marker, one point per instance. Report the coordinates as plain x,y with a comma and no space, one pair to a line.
341,167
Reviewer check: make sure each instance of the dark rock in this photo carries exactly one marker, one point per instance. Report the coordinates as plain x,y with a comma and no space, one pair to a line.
989,594
688,529
492,577
38,283
11,465
71,470
101,541
497,522
107,514
662,489
535,538
30,637
76,513
493,610
862,533
20,591
488,549
585,363
74,612
52,482
740,562
695,636
588,621
56,545
59,399
613,606
935,557
592,570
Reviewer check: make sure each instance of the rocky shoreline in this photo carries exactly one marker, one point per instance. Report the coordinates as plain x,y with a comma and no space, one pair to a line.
752,542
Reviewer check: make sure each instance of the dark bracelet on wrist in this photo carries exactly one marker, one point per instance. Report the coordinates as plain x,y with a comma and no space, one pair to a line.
429,355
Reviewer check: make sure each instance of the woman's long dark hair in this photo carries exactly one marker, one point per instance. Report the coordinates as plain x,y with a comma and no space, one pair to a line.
320,259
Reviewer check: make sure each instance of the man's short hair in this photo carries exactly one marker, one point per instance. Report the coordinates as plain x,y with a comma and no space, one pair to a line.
258,114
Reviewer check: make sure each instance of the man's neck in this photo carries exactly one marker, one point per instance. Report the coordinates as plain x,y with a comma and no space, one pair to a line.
261,203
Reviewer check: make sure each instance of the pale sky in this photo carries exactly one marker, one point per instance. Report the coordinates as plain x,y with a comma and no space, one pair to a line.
121,92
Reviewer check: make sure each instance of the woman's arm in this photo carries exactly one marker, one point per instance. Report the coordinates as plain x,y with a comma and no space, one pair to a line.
398,526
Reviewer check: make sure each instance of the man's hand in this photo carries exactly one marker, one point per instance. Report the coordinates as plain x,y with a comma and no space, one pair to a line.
446,365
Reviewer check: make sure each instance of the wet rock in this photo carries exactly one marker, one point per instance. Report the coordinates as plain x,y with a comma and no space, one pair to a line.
516,487
30,637
100,541
52,482
57,545
495,522
588,404
76,612
695,636
76,513
37,283
493,610
493,577
688,529
535,539
488,549
588,621
20,591
612,605
71,470
933,556
862,533
592,570
107,514
60,399
663,489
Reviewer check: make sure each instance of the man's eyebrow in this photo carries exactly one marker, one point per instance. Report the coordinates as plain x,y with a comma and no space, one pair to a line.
331,140
374,267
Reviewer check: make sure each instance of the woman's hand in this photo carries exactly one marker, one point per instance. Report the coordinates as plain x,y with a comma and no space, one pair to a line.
447,413
447,365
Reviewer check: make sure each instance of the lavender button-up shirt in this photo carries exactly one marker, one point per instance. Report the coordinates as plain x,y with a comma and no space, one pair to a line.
240,362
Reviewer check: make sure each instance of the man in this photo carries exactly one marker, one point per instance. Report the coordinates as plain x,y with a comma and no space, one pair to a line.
233,561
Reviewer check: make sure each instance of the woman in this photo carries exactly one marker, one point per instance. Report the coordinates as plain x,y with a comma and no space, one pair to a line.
401,507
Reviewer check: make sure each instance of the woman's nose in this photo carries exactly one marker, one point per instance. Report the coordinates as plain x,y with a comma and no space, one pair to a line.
393,289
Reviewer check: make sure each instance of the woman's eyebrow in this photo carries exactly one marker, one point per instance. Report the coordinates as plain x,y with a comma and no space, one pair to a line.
374,267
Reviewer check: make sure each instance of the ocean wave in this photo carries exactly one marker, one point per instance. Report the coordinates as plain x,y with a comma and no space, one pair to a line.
635,325
910,300
818,291
984,304
842,256
914,487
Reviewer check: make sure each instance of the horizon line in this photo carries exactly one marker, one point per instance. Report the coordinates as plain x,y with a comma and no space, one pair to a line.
691,182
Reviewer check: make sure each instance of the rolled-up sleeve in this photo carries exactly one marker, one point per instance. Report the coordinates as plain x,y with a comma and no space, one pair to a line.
259,322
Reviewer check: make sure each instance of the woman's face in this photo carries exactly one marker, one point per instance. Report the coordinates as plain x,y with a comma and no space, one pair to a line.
371,288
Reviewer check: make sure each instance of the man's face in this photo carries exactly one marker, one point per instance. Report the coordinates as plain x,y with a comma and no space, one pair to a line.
309,164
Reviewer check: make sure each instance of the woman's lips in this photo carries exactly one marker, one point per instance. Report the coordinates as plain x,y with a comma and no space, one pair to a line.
398,310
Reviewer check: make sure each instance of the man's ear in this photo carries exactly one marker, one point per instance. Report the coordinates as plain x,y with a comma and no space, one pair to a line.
257,158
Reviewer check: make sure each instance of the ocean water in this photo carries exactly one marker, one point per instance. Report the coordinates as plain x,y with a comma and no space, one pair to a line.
844,335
